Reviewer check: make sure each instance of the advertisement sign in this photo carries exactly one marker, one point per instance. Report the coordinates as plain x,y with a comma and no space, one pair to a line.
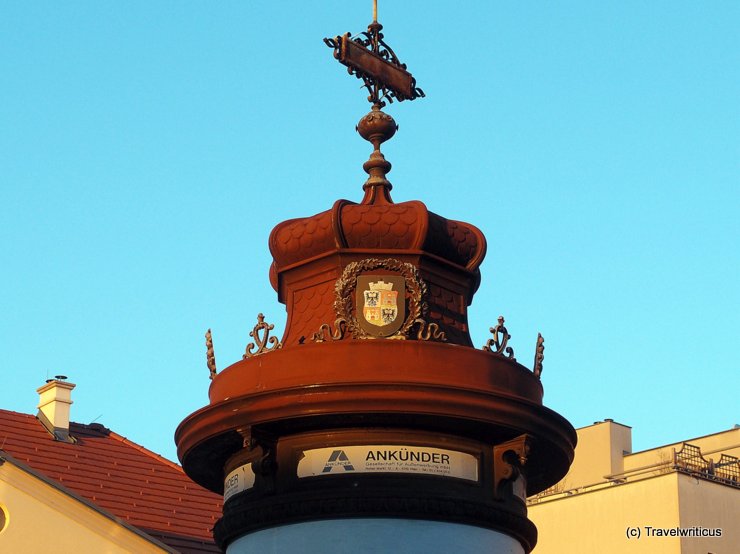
242,478
421,460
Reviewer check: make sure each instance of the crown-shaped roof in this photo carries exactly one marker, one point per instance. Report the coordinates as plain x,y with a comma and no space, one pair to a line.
408,226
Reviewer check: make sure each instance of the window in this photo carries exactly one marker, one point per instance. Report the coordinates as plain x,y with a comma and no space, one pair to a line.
3,518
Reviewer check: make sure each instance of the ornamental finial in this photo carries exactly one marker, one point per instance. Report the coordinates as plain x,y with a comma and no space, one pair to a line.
369,58
210,356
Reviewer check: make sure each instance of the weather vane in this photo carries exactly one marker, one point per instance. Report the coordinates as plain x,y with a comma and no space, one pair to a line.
369,58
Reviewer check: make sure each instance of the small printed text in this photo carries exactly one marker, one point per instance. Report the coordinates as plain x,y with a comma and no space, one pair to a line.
650,531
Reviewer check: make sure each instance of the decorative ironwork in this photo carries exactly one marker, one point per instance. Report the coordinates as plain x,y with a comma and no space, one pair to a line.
728,468
261,335
210,355
326,334
690,458
539,356
429,331
497,344
368,57
344,303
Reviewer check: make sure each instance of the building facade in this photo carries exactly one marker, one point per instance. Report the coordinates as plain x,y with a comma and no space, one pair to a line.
681,498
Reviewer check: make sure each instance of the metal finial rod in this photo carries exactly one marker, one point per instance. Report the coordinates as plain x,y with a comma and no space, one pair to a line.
375,11
539,356
210,356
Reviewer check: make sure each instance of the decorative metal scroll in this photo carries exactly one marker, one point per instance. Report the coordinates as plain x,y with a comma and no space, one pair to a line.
325,332
261,335
344,302
429,331
368,57
497,344
539,356
210,355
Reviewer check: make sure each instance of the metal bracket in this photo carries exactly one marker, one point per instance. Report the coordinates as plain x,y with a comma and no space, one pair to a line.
508,460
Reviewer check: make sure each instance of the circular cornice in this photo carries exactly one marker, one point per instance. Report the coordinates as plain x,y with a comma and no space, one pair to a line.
422,386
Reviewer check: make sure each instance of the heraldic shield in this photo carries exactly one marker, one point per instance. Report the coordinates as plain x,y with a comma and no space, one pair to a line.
380,303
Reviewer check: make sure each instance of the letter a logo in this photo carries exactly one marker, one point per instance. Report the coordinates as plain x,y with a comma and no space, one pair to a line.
338,458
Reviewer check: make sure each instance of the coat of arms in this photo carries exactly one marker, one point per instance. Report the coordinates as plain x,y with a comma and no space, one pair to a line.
372,305
380,303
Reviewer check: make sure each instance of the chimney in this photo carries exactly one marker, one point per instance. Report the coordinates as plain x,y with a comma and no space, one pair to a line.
55,398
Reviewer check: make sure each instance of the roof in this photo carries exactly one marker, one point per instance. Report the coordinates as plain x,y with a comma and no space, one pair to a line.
123,478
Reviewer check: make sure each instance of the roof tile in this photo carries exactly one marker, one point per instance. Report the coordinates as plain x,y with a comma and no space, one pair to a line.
121,477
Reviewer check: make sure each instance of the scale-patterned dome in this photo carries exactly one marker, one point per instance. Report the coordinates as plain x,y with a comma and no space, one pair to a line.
302,248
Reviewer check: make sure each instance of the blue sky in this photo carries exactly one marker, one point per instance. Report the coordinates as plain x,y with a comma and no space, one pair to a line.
148,148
